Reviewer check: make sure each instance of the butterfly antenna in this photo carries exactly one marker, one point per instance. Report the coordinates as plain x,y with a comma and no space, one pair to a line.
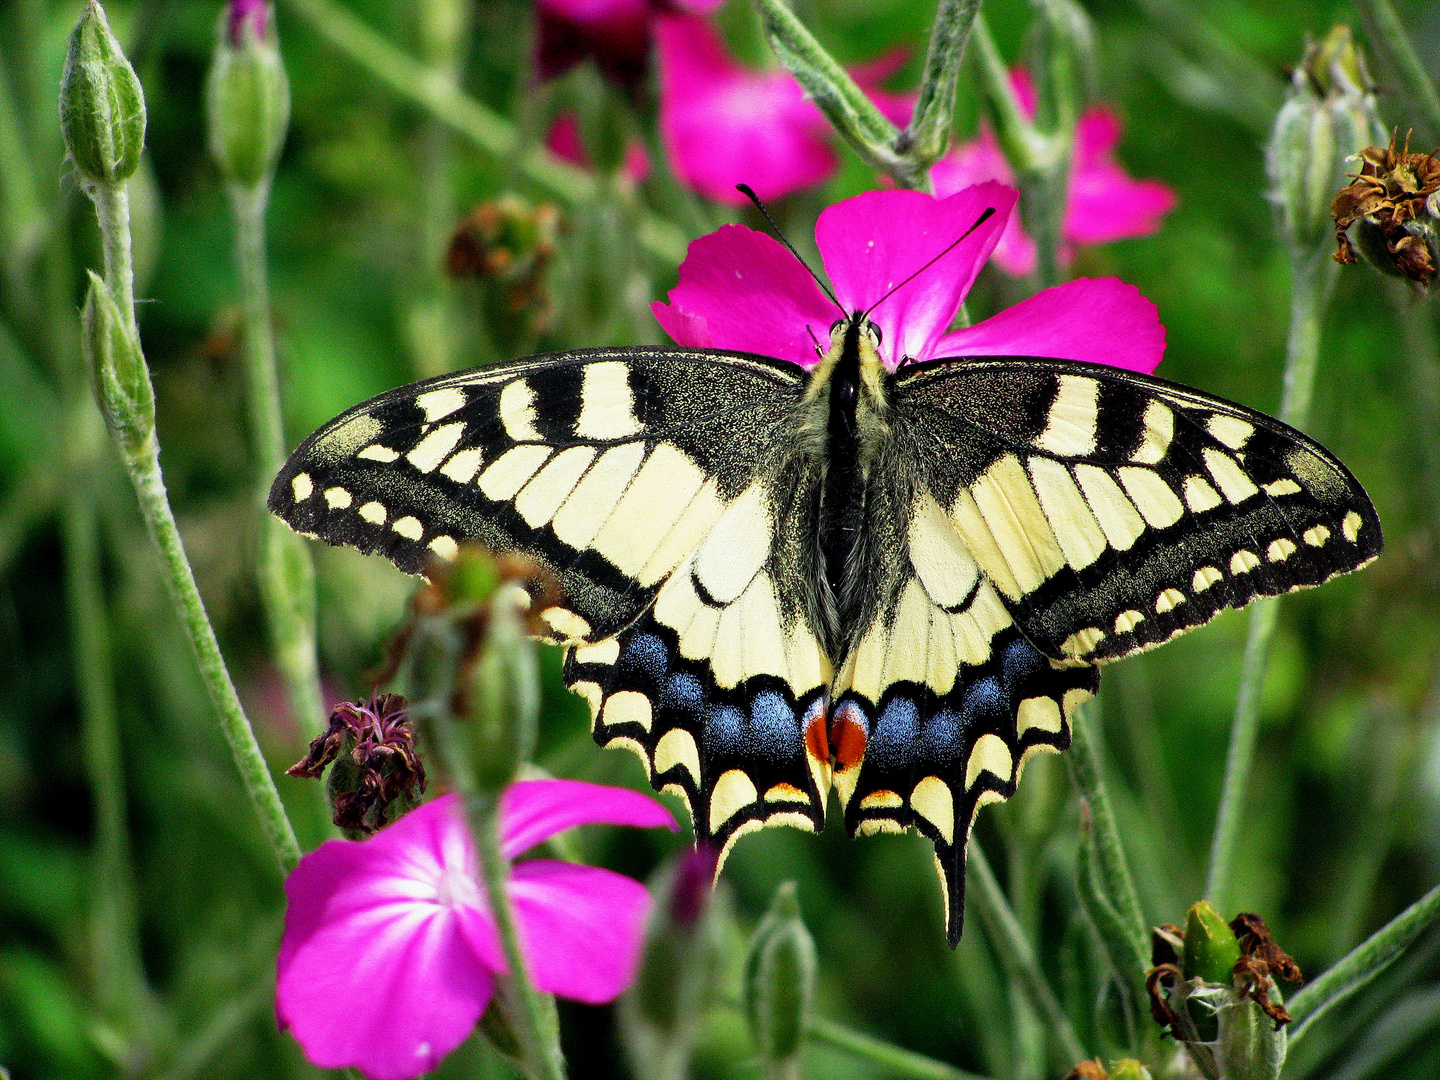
984,217
749,193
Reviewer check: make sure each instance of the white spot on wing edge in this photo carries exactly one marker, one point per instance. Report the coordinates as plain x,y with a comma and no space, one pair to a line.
437,404
445,547
408,527
302,486
374,513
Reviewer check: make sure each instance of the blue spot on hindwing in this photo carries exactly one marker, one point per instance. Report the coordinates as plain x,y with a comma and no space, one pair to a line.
984,704
776,732
645,655
683,692
892,742
1020,663
725,729
943,738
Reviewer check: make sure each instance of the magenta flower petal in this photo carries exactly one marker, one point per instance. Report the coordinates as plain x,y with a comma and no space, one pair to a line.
375,970
741,290
390,992
1105,204
876,240
532,811
1097,134
1101,320
580,927
974,163
723,124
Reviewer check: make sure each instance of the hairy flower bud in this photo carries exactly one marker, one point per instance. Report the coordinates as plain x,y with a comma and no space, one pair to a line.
247,96
117,368
102,108
780,983
679,978
1329,114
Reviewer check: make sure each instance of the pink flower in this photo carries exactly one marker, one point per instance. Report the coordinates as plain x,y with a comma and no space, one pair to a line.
390,952
563,140
739,289
615,33
723,124
1102,203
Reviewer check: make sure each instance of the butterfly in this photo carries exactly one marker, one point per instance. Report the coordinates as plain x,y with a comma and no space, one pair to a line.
896,584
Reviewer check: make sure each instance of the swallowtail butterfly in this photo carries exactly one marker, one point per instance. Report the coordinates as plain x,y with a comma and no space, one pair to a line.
895,584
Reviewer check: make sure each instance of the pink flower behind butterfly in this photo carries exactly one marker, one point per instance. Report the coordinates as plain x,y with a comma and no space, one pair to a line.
723,124
740,289
616,34
1102,202
390,953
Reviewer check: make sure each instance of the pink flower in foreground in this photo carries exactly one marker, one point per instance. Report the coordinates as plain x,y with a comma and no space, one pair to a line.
1102,203
739,289
614,33
723,124
390,953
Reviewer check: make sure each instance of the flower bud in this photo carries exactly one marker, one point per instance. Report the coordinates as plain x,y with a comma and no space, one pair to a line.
1129,1069
1329,114
679,977
102,108
117,368
780,983
1210,948
247,95
1220,999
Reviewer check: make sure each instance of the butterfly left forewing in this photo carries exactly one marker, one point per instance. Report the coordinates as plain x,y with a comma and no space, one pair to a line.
604,466
1113,511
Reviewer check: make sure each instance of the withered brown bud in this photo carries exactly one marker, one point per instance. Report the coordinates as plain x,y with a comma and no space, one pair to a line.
377,774
1388,213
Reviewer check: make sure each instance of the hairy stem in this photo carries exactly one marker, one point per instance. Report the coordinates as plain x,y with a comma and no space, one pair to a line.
287,572
142,461
537,1031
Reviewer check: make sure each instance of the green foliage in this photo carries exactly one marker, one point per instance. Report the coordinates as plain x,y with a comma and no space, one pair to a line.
1338,824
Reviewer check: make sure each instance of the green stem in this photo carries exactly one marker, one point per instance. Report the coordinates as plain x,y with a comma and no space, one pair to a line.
287,572
1314,276
537,1031
1018,957
1367,961
1388,38
928,136
112,209
847,107
468,118
1111,870
891,1060
143,463
144,467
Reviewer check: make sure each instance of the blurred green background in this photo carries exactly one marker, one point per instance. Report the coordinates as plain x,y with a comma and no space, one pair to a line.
1342,826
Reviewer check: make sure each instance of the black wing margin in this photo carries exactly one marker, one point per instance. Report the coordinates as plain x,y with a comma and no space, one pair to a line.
1114,510
606,466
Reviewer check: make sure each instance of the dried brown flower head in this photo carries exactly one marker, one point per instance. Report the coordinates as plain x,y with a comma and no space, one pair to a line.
377,770
1390,201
